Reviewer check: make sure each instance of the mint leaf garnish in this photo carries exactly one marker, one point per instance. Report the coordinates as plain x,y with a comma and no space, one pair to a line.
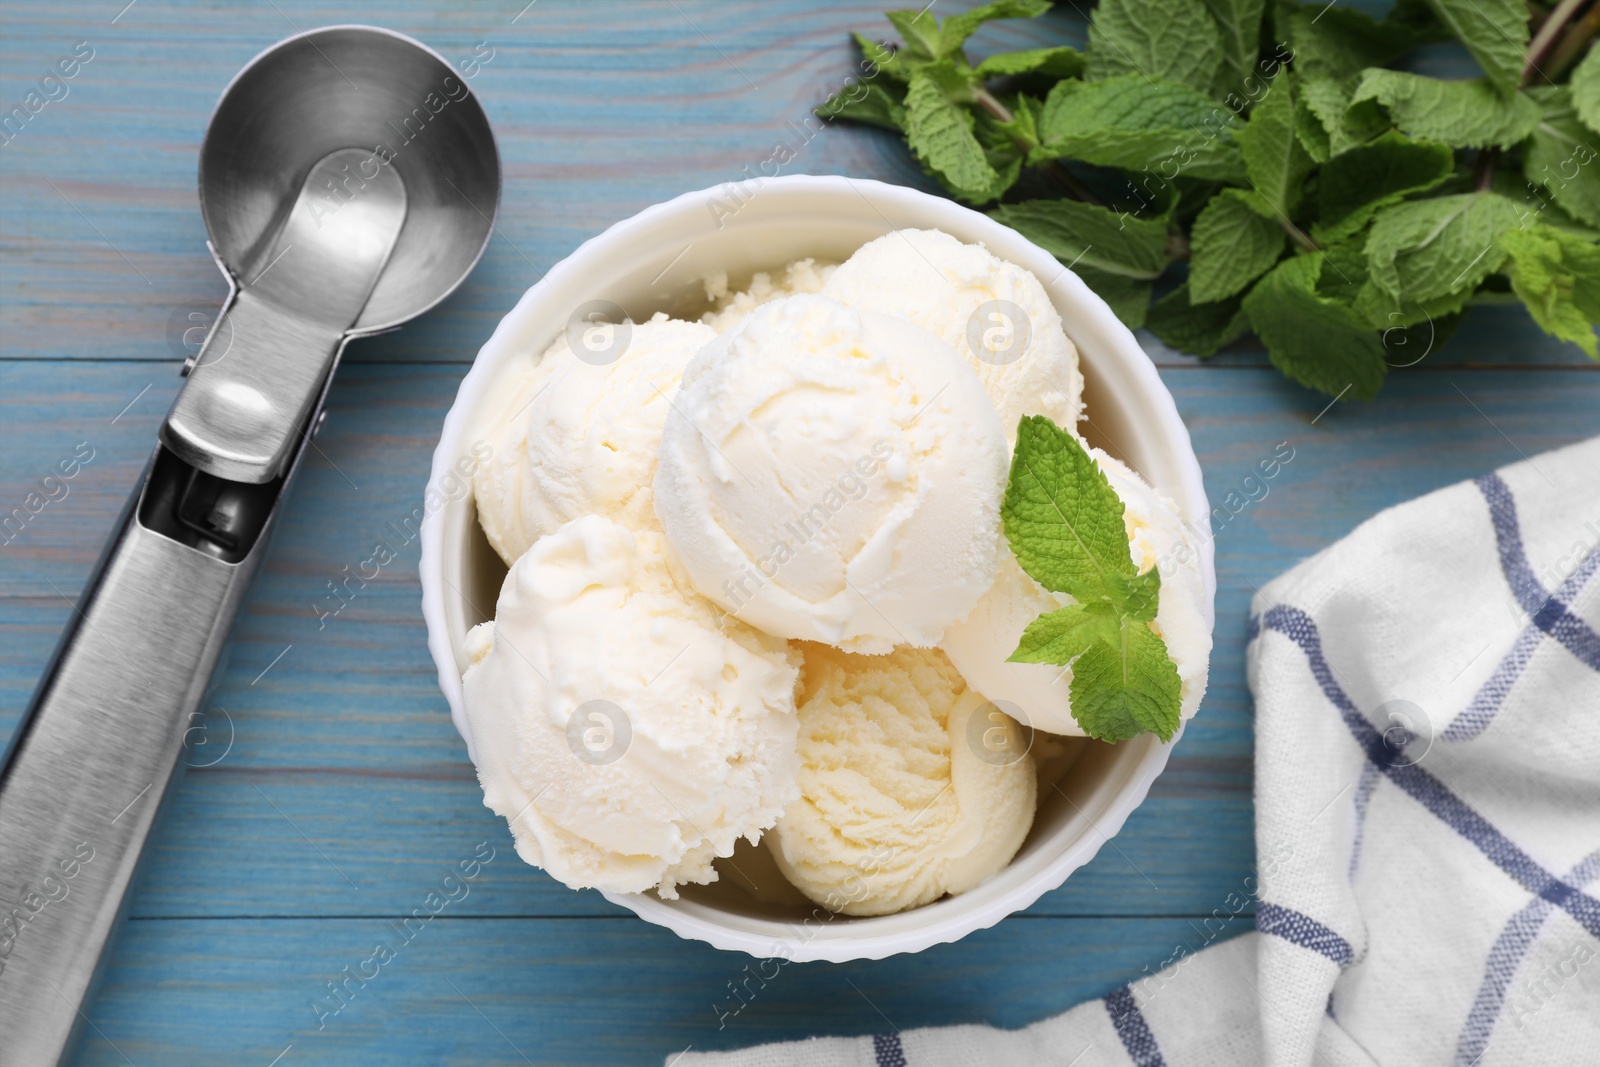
1062,635
1558,277
1175,40
1064,523
1062,518
1231,246
1123,690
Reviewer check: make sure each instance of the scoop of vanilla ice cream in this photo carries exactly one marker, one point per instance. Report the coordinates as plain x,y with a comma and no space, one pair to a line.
581,438
903,797
833,475
980,644
628,734
731,308
971,298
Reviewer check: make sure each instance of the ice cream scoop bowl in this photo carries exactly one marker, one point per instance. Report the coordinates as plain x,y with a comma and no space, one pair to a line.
349,181
657,261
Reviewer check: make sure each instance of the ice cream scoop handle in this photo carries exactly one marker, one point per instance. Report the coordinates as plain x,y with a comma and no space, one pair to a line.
103,738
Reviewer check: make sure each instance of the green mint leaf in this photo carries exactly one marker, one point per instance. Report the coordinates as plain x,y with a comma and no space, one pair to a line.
1128,298
1061,517
940,132
1355,185
1274,160
1471,114
1424,250
1585,87
1174,40
955,30
1199,329
1494,31
1089,236
869,102
1319,342
1129,121
1313,135
920,31
1120,691
1328,102
1230,246
1557,276
1558,155
884,58
1062,635
1063,62
1139,597
1338,41
1239,25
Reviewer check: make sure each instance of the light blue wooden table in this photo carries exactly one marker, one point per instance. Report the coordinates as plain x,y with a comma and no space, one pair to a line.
346,796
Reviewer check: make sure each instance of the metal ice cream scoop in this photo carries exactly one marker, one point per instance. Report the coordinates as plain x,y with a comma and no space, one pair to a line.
349,181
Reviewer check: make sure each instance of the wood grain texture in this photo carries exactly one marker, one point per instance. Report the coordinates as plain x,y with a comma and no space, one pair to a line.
342,793
602,992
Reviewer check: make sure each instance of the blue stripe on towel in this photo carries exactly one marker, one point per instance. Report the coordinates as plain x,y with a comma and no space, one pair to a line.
1301,929
1508,538
1486,703
1369,781
1132,1029
887,1049
1428,790
1504,959
1548,612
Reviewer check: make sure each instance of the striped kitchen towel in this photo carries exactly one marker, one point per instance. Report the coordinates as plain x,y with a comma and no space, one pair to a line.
1428,796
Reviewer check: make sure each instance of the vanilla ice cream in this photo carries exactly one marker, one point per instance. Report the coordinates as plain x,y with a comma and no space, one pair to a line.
628,734
833,475
980,644
994,313
580,438
903,797
729,308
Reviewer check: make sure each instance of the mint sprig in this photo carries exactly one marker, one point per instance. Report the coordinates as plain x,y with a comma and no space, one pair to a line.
1064,523
1269,160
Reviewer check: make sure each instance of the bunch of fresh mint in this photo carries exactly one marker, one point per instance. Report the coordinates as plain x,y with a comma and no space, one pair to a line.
1064,523
1339,208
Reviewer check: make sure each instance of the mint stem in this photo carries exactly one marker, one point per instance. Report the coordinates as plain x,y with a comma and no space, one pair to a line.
1570,50
1483,169
1546,37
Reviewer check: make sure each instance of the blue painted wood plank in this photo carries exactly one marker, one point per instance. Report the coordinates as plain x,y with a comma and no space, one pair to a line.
570,992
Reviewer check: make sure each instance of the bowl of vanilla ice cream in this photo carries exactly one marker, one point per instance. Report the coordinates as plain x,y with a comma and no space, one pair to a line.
715,577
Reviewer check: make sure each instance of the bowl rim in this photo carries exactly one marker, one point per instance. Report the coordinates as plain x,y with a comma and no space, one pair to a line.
698,921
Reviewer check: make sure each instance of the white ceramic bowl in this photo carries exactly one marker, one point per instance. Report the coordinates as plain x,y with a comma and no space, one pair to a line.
654,262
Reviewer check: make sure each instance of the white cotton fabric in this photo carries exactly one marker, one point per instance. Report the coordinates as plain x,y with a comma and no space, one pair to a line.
1427,814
